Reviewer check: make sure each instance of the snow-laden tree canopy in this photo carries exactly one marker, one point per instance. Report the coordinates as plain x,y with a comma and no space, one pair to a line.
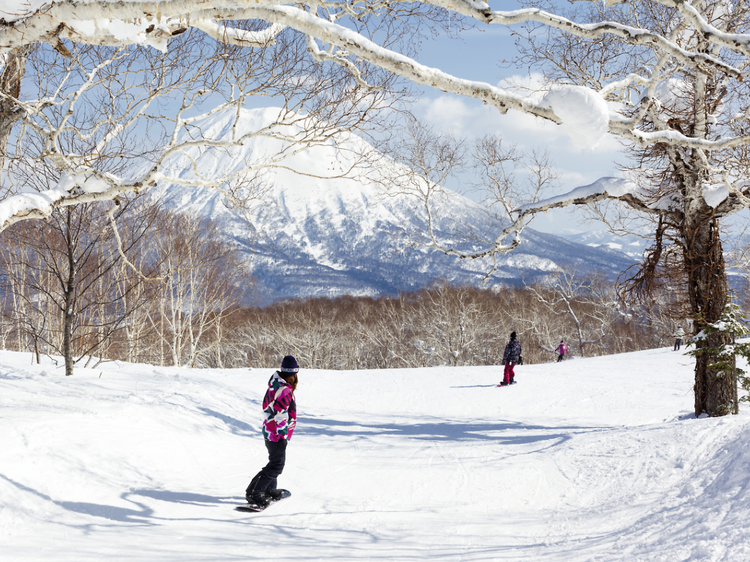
666,77
707,36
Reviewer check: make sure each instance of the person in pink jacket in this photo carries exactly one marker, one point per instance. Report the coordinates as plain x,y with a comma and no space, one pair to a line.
562,349
280,419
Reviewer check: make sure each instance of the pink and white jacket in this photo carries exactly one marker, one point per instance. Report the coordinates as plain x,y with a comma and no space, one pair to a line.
279,409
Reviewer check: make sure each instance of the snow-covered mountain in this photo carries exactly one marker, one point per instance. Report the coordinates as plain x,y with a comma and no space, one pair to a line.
630,245
328,236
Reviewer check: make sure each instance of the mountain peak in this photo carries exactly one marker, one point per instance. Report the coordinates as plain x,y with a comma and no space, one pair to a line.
326,235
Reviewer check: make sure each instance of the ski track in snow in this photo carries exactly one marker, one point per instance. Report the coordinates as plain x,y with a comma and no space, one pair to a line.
574,463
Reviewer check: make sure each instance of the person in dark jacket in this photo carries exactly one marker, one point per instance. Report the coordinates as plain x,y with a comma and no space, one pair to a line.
510,358
280,419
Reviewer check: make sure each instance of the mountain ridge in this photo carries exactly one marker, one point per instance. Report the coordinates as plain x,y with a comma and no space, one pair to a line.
330,236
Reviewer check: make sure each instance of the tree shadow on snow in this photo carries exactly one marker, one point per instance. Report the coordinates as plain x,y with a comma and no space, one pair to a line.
141,514
505,433
238,427
476,386
184,497
122,514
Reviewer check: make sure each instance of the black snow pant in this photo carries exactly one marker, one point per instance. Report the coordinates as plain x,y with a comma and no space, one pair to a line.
560,358
266,478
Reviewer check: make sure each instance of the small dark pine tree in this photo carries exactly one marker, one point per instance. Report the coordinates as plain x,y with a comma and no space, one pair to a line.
718,341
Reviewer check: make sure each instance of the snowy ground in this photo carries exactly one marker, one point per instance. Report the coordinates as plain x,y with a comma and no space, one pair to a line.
589,460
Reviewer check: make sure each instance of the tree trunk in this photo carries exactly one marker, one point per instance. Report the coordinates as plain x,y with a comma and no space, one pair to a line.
69,301
10,85
704,264
707,289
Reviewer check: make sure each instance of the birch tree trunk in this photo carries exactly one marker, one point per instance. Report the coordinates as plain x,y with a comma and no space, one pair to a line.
10,88
69,293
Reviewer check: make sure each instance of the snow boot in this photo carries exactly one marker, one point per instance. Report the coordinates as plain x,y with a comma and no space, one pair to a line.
259,498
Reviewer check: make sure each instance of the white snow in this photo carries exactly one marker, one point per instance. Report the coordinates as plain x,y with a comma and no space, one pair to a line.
715,195
43,202
127,32
584,113
87,182
27,203
588,460
614,187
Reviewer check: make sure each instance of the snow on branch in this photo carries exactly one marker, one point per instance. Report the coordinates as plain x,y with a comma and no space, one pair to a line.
674,138
629,34
401,65
733,41
153,24
582,110
604,188
72,189
240,37
108,22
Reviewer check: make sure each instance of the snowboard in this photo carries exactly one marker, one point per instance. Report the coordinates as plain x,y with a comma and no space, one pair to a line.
255,508
502,385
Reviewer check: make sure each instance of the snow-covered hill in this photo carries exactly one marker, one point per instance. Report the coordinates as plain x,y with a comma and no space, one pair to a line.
326,237
587,460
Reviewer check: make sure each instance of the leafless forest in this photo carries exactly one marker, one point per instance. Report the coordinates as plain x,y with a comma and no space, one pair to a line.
170,294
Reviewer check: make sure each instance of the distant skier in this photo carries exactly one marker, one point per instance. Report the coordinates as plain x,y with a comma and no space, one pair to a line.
562,350
280,410
510,358
679,333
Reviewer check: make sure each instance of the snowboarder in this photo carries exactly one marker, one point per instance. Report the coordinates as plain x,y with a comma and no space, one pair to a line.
562,349
679,333
280,411
510,358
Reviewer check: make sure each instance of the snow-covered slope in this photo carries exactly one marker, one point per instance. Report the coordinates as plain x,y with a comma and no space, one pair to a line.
341,236
587,460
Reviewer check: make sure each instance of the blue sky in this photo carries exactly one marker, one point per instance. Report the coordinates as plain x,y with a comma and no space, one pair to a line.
475,56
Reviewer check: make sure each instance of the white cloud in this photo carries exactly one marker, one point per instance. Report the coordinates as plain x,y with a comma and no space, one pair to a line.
471,118
450,114
575,165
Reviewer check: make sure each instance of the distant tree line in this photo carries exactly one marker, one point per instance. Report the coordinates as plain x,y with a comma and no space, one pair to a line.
125,281
445,324
135,283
